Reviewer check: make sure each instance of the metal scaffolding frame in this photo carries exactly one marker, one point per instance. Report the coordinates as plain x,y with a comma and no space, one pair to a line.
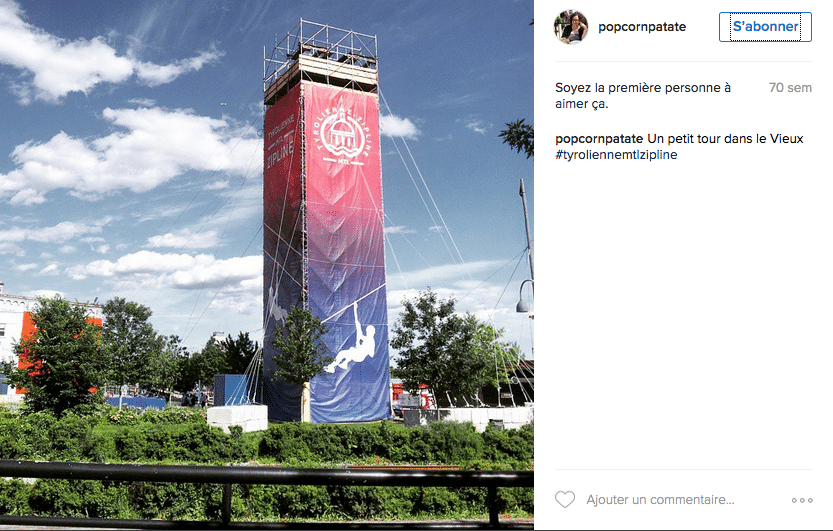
320,52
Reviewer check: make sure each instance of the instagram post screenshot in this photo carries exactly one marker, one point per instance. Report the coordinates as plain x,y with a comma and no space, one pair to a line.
685,257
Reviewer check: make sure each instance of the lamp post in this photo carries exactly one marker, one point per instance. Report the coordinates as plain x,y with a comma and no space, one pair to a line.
523,306
528,236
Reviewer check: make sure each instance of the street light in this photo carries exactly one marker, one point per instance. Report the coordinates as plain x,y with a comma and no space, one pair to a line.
523,306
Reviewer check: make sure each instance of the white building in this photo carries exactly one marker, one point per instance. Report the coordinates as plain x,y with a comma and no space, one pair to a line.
15,318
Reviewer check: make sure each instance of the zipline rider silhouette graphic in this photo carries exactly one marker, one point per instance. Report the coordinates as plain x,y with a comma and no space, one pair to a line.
365,346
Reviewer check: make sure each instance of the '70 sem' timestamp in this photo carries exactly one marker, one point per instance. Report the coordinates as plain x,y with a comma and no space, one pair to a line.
779,87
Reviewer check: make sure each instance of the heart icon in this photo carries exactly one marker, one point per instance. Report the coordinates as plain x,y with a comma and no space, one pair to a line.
564,499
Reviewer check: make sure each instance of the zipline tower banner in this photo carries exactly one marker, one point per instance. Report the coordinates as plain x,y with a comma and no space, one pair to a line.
323,240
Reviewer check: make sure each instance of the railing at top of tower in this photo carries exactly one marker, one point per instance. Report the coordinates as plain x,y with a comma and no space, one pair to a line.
319,40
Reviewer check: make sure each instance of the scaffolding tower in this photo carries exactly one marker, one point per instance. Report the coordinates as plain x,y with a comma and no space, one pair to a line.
323,54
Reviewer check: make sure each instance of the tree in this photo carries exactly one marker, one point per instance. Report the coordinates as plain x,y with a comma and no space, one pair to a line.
208,362
303,355
501,356
229,356
238,353
453,354
63,366
520,136
162,367
187,373
134,350
182,378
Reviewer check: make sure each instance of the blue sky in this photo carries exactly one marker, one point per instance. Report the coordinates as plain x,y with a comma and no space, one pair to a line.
132,159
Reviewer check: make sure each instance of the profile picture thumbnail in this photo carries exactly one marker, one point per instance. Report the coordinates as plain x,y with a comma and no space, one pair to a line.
571,27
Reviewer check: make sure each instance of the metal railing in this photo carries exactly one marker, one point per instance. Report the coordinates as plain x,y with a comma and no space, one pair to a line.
248,475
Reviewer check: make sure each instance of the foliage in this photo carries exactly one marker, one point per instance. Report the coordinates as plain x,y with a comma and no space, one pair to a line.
238,353
441,442
302,355
229,356
132,347
210,361
155,436
178,356
188,367
515,447
520,136
128,416
87,499
188,501
65,353
197,443
162,369
454,355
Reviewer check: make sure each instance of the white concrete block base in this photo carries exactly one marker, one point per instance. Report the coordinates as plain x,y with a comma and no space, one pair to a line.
250,418
512,417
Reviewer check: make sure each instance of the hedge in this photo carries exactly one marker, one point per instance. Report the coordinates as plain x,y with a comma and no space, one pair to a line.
183,436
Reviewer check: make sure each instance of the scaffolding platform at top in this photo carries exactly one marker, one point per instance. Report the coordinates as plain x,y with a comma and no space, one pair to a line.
320,53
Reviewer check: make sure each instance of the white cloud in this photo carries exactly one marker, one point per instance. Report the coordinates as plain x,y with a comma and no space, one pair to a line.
66,249
60,233
10,248
217,185
91,240
151,147
399,229
477,125
244,298
142,102
148,269
394,126
55,66
25,267
50,270
445,275
47,293
186,239
154,75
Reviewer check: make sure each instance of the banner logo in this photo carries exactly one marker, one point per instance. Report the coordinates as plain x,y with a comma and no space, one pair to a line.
341,133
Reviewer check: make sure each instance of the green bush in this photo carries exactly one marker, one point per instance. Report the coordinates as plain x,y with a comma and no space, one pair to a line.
370,503
509,445
450,442
182,435
90,499
71,438
175,501
196,443
14,497
435,500
285,501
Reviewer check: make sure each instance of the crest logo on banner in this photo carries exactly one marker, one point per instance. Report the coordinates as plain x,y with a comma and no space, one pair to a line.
341,133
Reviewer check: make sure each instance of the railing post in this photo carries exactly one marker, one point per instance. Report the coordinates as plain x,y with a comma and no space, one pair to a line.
226,503
491,503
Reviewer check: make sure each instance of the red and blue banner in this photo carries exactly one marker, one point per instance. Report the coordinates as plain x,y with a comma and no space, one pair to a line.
342,256
283,247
